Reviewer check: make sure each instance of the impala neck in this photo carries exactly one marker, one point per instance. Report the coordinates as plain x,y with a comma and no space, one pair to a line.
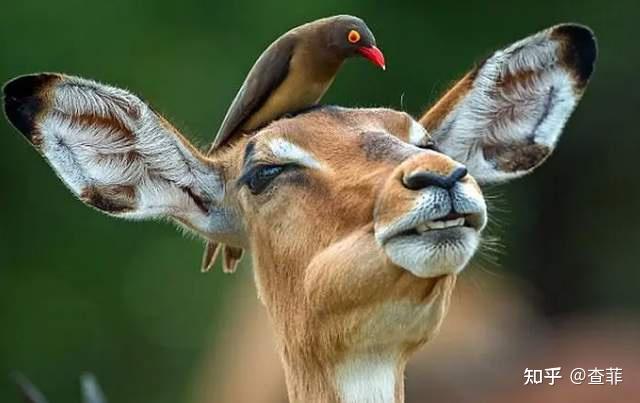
365,377
325,359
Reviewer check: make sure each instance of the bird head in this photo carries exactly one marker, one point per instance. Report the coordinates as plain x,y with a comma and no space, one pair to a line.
350,36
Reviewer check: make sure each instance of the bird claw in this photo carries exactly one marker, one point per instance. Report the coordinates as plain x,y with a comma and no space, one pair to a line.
231,257
211,251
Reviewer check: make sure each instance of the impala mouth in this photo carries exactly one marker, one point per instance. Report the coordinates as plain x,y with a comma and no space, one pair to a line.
451,221
435,246
440,224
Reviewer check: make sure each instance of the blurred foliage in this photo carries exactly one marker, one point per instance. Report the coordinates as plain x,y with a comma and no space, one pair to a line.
81,291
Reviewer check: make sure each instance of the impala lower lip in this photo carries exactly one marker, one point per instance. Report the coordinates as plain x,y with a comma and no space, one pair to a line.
434,252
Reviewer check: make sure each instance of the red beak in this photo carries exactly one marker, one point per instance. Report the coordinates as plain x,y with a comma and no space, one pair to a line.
374,54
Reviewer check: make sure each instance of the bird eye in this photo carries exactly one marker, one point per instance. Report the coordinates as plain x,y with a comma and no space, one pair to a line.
353,36
259,178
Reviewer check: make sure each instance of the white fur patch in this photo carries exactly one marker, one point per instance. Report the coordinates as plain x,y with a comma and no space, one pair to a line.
369,378
370,375
417,134
286,151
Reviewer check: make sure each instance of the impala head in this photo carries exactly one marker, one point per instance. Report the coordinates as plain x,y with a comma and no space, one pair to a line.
358,220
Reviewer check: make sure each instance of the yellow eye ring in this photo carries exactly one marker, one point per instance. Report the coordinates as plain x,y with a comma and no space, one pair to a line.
353,36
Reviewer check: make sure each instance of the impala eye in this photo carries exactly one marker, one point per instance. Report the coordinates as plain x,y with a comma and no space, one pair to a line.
259,178
353,36
429,145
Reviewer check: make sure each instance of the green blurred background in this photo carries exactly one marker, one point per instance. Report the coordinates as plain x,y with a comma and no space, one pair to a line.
81,291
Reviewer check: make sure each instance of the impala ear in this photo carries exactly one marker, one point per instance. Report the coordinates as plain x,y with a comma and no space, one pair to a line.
504,117
115,153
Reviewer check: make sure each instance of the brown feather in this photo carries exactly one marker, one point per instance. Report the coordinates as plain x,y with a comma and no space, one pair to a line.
293,73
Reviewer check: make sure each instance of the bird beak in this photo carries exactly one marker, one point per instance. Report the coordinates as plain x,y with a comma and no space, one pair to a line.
374,55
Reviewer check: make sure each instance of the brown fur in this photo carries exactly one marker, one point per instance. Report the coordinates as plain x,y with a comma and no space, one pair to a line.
322,288
112,199
435,115
108,123
519,157
510,83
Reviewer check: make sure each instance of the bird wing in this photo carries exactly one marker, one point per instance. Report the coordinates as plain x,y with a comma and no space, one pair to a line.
265,76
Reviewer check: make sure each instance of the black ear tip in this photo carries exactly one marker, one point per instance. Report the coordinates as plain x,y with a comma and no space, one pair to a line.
581,49
25,86
23,100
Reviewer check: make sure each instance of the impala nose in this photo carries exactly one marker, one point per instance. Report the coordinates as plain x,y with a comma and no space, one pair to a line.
418,180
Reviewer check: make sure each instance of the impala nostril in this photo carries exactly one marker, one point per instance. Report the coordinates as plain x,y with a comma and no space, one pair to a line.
423,179
459,173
